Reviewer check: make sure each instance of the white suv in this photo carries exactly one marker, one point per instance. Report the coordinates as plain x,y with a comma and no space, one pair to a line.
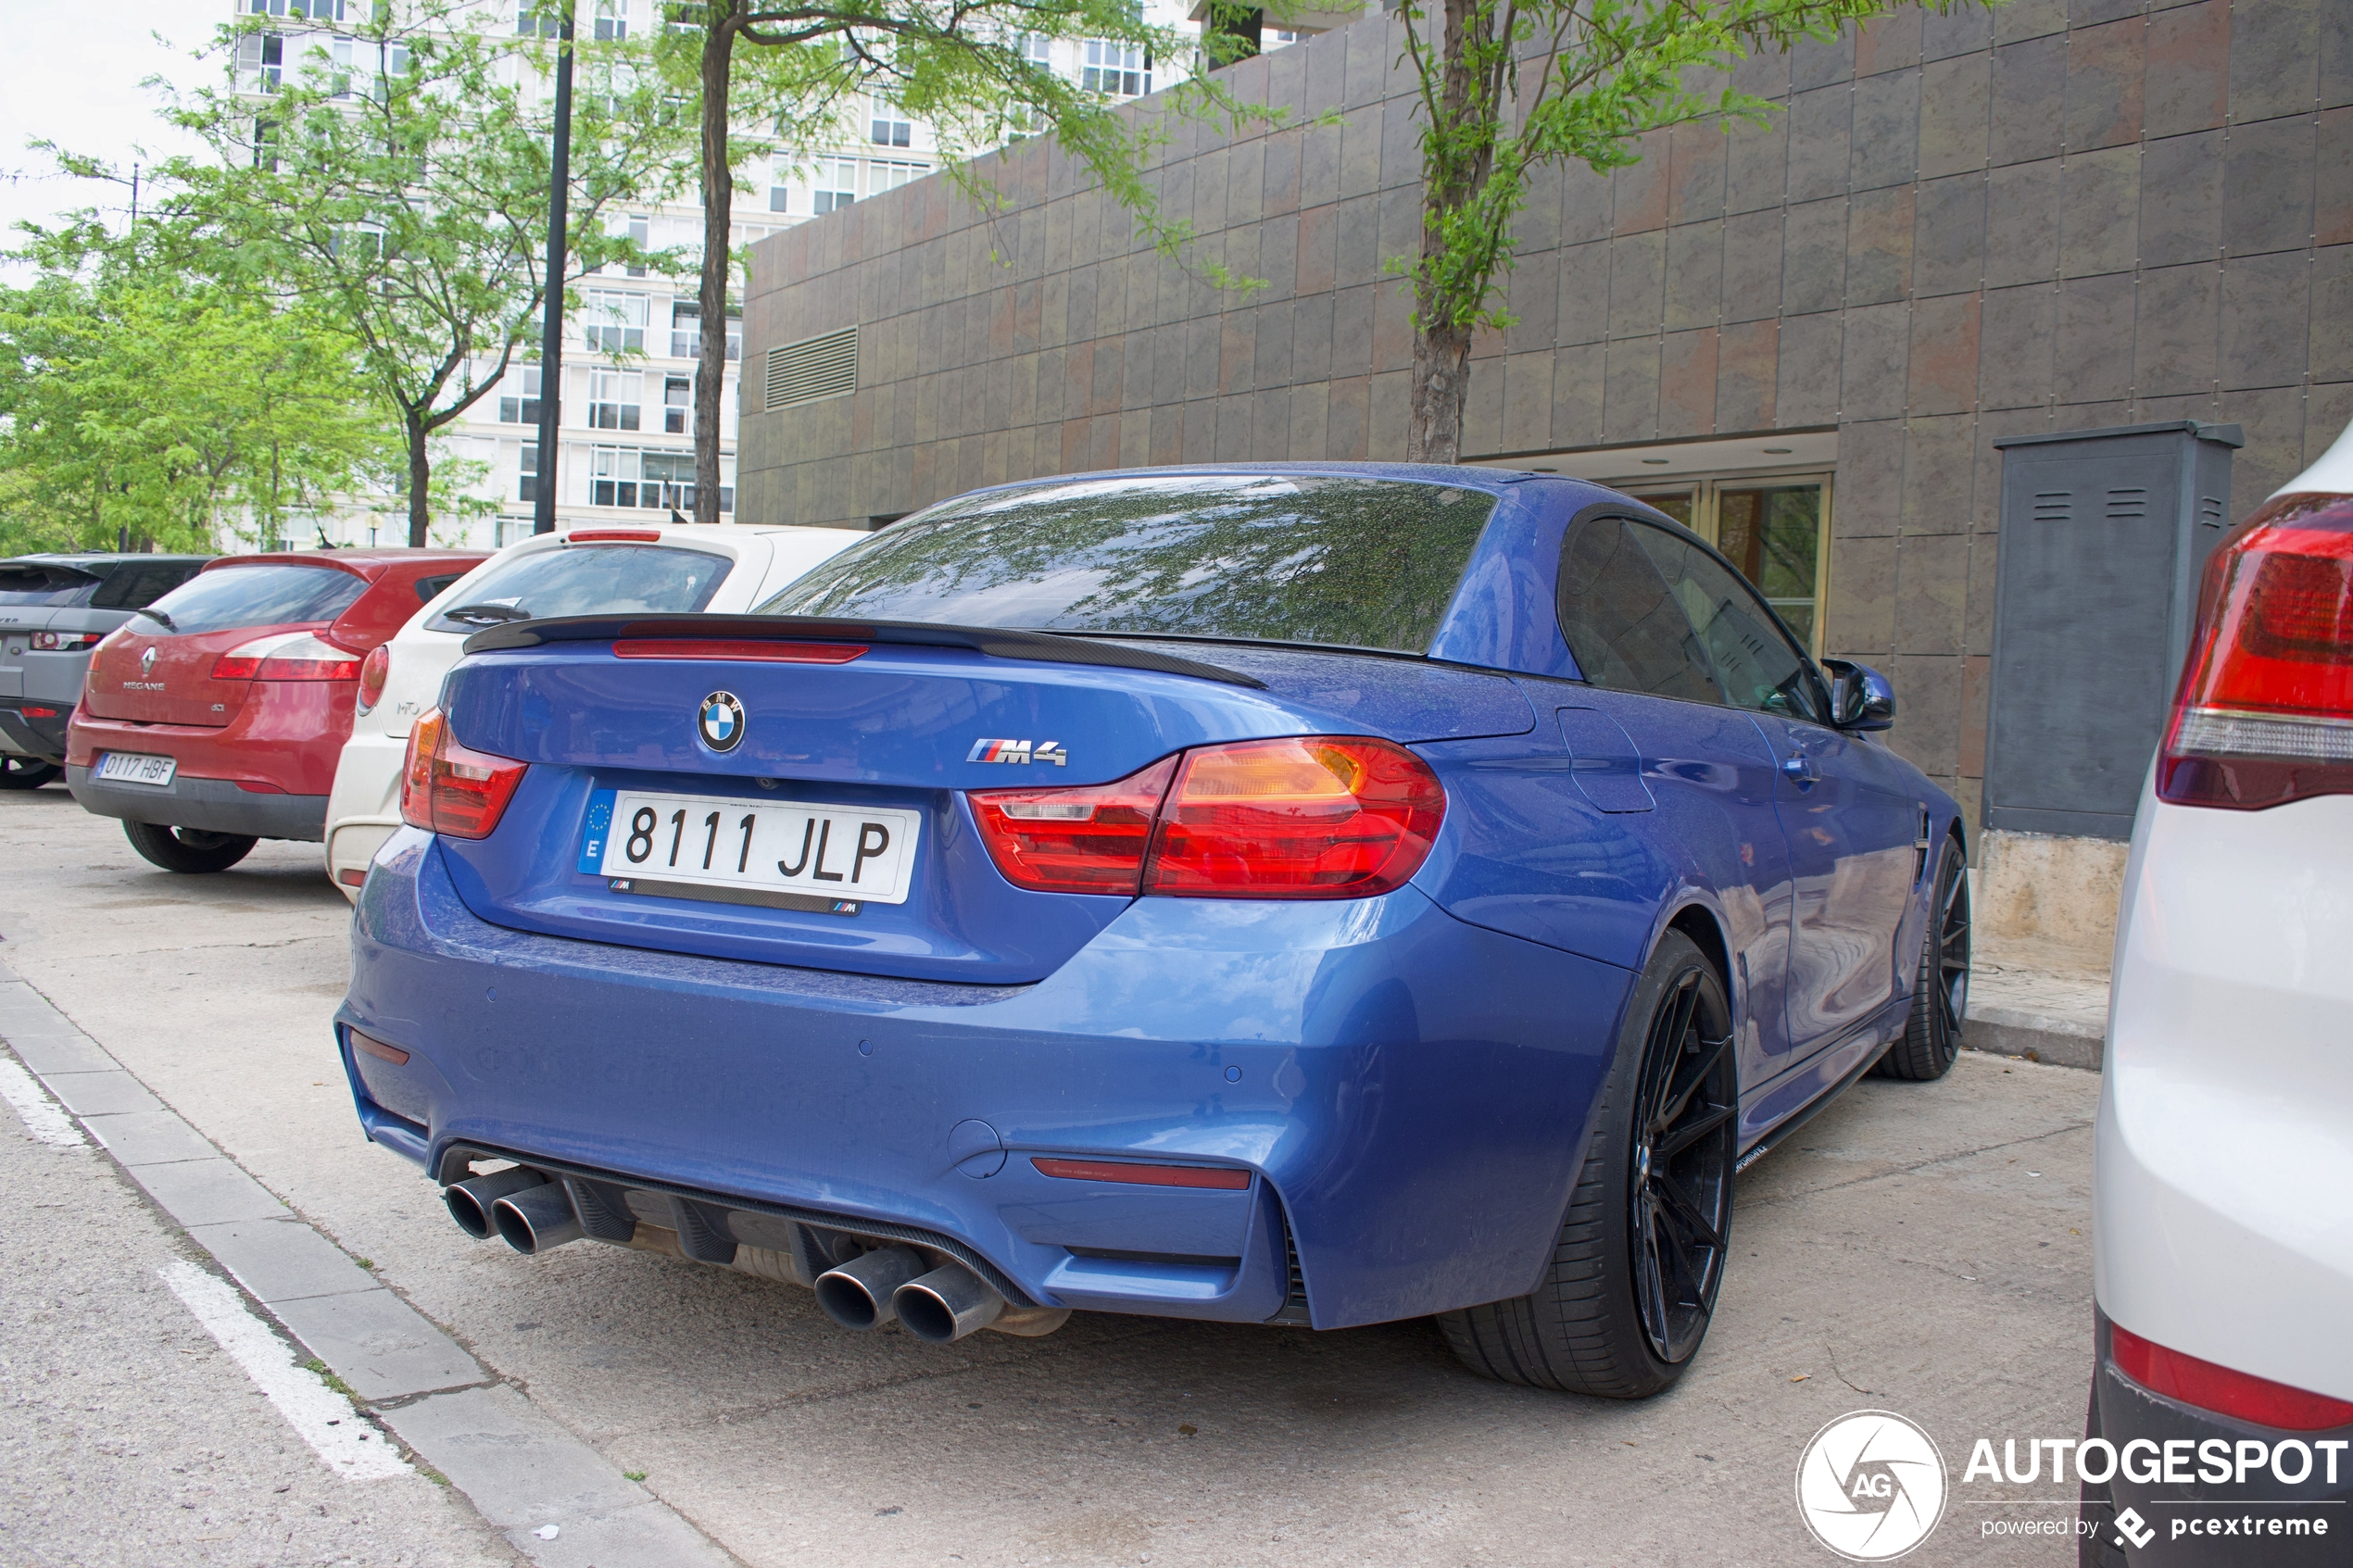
2223,1173
721,569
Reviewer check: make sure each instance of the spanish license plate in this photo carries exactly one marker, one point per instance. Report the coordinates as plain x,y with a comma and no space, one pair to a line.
130,767
793,855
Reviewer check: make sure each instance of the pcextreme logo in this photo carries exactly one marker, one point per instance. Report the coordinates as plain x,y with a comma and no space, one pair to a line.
1872,1485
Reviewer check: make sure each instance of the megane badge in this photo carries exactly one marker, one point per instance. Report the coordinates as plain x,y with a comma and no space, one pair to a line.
720,721
147,662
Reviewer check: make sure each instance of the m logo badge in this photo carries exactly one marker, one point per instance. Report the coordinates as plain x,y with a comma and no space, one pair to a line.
1019,751
720,721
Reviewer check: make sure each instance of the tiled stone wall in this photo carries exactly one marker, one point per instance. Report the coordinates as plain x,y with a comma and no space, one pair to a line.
2053,216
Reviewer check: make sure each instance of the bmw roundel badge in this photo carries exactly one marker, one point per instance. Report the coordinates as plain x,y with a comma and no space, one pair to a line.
720,721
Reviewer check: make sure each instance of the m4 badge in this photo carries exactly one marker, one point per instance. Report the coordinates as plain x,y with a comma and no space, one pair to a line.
1019,751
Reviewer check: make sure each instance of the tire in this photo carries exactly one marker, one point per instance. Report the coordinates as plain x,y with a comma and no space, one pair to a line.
1939,996
188,849
1626,1299
25,772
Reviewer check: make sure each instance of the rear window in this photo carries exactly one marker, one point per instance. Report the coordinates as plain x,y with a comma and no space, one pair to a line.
45,585
587,580
1256,557
233,597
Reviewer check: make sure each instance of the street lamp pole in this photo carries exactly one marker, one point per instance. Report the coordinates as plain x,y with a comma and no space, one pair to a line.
551,332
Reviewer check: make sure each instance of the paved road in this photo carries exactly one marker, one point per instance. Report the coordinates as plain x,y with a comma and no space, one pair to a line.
1926,1250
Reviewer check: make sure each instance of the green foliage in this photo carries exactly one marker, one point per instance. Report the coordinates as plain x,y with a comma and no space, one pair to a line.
144,400
1507,85
398,185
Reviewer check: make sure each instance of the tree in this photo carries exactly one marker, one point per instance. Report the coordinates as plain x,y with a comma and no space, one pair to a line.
965,68
145,401
398,186
1507,85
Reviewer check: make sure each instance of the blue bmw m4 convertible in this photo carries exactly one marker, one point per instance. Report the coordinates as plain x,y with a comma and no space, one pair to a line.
1305,895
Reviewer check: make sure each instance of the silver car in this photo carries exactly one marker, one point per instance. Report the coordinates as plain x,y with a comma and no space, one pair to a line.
54,610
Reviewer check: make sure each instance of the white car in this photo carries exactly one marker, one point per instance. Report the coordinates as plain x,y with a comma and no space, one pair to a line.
720,569
2222,1219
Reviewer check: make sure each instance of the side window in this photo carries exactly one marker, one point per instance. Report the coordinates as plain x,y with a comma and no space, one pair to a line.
1753,659
1622,618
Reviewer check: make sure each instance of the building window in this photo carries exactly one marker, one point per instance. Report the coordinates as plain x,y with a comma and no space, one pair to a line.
261,59
677,400
886,174
1122,70
313,10
527,487
265,145
630,476
685,331
779,184
532,22
509,530
885,127
1038,49
616,321
1773,530
523,409
833,183
612,20
612,399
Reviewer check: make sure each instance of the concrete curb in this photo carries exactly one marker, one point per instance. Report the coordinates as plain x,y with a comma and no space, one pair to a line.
2062,1042
519,1468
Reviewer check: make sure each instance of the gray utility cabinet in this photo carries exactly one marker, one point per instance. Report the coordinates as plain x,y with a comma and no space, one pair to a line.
2104,535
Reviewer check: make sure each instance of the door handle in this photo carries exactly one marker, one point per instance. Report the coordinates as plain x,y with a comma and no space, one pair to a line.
1799,771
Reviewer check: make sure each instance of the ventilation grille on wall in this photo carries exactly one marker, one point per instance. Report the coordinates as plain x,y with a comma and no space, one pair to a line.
819,367
2209,511
2132,505
2054,506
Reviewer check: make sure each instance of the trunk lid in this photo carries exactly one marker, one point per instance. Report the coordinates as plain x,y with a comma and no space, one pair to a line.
174,686
885,743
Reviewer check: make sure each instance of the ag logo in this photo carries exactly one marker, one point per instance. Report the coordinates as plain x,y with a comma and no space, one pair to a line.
1870,1485
720,721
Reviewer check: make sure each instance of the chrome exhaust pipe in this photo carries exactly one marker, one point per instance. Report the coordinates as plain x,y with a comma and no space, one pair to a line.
859,1293
470,1201
537,1219
946,1304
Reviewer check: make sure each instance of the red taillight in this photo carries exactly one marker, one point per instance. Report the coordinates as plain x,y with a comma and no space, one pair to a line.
1312,818
1090,839
372,670
289,656
2265,712
2218,1388
1223,1178
451,788
65,642
1317,817
613,536
30,712
750,651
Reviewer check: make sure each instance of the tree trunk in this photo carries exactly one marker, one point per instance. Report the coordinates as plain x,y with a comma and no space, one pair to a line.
420,479
1441,384
718,210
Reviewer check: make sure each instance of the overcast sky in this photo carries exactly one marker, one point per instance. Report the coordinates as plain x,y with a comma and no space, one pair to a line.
72,75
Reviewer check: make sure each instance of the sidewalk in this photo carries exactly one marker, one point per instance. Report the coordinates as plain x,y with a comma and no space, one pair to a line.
2021,1003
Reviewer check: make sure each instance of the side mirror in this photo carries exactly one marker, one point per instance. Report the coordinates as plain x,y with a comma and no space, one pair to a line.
1860,696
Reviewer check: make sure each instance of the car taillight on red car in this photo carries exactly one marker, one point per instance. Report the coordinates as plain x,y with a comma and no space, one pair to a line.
1310,817
289,656
372,670
448,787
2264,714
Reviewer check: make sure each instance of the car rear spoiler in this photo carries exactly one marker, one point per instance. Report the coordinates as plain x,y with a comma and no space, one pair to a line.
997,642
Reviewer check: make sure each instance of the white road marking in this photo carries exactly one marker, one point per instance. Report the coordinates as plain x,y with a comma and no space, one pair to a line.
43,1117
346,1443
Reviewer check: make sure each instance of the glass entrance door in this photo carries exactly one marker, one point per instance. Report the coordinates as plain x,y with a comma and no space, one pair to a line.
1776,530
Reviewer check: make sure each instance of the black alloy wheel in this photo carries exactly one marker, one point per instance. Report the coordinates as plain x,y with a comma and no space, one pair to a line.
1632,1286
25,772
192,850
1681,1191
1940,994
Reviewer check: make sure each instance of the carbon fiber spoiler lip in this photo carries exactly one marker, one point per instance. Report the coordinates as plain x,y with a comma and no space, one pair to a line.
997,642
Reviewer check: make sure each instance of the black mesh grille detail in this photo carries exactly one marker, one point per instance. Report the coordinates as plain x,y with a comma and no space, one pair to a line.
1294,1308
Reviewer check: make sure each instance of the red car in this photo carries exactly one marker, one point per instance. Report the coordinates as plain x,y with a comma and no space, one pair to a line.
213,719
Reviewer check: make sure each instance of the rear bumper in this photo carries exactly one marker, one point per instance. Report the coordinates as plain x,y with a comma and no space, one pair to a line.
363,809
1408,1095
43,738
212,805
2195,1521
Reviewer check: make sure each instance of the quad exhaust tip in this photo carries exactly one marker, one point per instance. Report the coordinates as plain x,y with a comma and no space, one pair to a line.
943,1306
537,1219
861,1293
470,1201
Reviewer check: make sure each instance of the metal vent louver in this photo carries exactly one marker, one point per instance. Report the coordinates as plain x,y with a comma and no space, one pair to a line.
815,367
